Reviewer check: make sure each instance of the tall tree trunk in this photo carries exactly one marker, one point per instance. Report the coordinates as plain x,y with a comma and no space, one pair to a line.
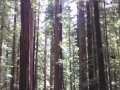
52,52
45,66
82,46
58,79
94,49
1,38
99,47
6,83
36,54
36,64
13,53
18,63
51,63
1,41
74,87
90,50
107,52
34,45
26,46
61,56
119,40
69,28
115,75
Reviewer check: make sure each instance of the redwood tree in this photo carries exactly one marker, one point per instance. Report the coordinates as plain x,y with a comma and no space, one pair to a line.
58,82
90,57
99,47
81,45
26,46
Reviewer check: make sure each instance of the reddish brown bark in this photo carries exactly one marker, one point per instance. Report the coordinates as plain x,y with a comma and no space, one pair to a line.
90,49
99,47
82,46
58,79
26,46
94,49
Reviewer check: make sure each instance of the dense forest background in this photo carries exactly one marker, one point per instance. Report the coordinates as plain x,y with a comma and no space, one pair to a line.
59,44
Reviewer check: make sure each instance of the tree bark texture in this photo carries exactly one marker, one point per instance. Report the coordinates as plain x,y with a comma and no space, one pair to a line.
90,49
94,48
82,46
99,47
58,82
26,46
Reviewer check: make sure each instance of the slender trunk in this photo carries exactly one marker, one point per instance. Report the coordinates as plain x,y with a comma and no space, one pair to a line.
6,68
36,54
74,88
61,56
26,46
70,75
18,63
70,52
45,67
119,40
99,48
34,45
52,54
13,54
94,49
107,53
115,66
115,75
90,50
1,39
36,64
51,63
82,46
